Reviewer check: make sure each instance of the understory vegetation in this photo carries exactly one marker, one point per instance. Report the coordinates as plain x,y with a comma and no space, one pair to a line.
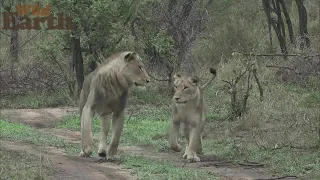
263,105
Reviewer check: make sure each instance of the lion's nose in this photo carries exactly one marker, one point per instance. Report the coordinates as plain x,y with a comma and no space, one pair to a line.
147,80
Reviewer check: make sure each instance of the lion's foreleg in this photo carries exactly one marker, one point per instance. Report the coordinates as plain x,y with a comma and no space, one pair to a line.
186,131
105,126
117,126
86,134
174,132
194,144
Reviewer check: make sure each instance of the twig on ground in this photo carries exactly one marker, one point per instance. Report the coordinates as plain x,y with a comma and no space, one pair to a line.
282,177
184,164
225,163
251,164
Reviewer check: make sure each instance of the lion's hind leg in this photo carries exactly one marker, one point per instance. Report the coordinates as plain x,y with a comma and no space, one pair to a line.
105,126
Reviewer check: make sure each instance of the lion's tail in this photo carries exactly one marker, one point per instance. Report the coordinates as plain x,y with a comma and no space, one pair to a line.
214,72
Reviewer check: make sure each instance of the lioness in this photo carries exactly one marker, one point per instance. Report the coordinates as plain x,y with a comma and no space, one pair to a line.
105,92
189,109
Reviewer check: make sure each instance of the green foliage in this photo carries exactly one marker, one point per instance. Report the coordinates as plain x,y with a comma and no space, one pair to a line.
154,170
163,44
21,165
35,101
20,132
137,130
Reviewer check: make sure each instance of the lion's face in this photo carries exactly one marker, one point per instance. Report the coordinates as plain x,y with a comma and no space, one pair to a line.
134,71
185,89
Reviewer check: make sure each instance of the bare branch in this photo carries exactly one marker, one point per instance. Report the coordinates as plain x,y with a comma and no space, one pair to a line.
226,82
258,83
27,41
281,67
239,77
2,32
157,79
296,55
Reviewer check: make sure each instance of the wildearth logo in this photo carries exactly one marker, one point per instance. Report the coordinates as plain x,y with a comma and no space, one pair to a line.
30,16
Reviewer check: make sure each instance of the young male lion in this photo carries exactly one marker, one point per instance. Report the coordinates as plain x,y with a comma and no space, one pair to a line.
105,92
189,109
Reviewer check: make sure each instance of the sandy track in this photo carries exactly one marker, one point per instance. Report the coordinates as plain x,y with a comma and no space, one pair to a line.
75,167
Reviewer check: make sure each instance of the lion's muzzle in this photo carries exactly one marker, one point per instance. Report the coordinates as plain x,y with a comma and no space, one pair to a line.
179,100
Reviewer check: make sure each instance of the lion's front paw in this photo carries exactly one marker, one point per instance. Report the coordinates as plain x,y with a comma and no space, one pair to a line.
185,155
86,151
102,153
176,147
112,151
192,157
85,154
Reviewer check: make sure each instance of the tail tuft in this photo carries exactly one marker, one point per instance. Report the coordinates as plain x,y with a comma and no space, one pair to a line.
213,71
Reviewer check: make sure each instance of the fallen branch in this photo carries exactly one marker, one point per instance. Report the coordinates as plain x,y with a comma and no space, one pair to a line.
281,67
184,164
225,163
293,55
247,163
282,177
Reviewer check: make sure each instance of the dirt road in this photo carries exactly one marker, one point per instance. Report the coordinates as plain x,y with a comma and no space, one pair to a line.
74,167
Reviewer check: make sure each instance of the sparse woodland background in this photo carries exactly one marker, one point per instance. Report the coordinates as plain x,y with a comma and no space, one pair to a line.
266,52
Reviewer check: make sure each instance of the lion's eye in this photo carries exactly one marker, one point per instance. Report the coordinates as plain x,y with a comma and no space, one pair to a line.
185,87
140,67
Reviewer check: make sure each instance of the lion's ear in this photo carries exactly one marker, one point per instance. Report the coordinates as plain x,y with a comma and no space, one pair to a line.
195,80
130,56
176,76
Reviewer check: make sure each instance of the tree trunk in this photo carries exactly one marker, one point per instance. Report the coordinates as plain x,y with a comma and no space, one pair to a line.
278,26
178,32
303,21
14,41
288,20
77,61
270,38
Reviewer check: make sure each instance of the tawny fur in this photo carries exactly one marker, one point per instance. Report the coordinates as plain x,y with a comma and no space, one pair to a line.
105,92
189,109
